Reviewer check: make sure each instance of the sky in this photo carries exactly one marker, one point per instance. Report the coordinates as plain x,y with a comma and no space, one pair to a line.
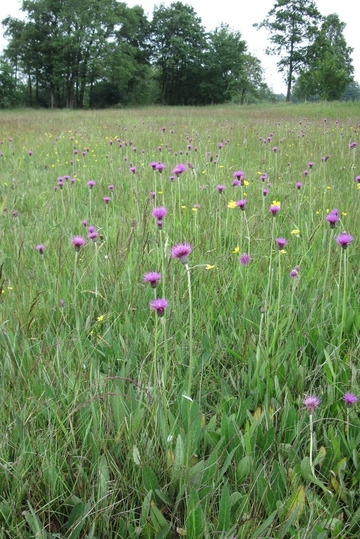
241,19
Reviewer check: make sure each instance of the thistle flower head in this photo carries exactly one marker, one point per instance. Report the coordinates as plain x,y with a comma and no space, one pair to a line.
159,305
311,403
281,242
344,240
159,213
350,399
181,251
78,241
152,277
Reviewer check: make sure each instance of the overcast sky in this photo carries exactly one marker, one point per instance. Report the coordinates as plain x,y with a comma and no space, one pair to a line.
242,19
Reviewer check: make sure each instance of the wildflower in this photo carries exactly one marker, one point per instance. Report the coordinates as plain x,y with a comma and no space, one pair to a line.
239,174
61,303
263,176
209,266
152,277
236,250
153,165
332,218
295,272
350,399
311,403
160,167
298,185
106,200
306,172
310,164
274,208
159,213
352,145
275,149
295,232
220,188
219,145
100,318
281,242
344,240
78,241
40,248
232,204
91,184
357,179
237,182
132,169
179,169
159,305
181,251
241,204
265,192
244,259
111,187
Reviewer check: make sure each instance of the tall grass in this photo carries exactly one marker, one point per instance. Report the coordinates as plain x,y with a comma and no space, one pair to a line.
118,423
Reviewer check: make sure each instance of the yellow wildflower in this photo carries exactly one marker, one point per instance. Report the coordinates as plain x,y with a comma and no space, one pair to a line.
296,232
209,266
236,250
100,318
232,204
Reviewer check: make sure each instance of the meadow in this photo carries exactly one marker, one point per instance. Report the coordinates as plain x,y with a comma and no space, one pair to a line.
179,323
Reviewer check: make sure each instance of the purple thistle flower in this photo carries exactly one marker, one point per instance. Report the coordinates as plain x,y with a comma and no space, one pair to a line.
133,169
111,187
106,200
61,303
344,240
263,177
239,174
244,259
306,172
159,213
352,145
241,204
153,165
350,399
152,277
275,149
159,305
160,167
40,248
298,185
236,182
181,251
84,222
357,179
179,169
294,272
30,153
332,218
274,209
281,242
220,188
78,241
219,145
310,164
92,235
311,403
91,183
265,192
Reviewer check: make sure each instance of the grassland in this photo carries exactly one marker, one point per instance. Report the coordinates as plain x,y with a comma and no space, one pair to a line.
120,423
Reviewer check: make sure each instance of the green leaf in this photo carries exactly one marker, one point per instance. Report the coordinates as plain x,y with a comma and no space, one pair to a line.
224,510
195,517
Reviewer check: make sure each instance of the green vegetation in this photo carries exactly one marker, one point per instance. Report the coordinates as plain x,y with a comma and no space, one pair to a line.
120,423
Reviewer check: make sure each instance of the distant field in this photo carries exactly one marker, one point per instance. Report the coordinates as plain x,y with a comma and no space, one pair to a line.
217,396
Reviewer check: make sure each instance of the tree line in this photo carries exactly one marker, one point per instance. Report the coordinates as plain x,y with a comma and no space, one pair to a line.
100,53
